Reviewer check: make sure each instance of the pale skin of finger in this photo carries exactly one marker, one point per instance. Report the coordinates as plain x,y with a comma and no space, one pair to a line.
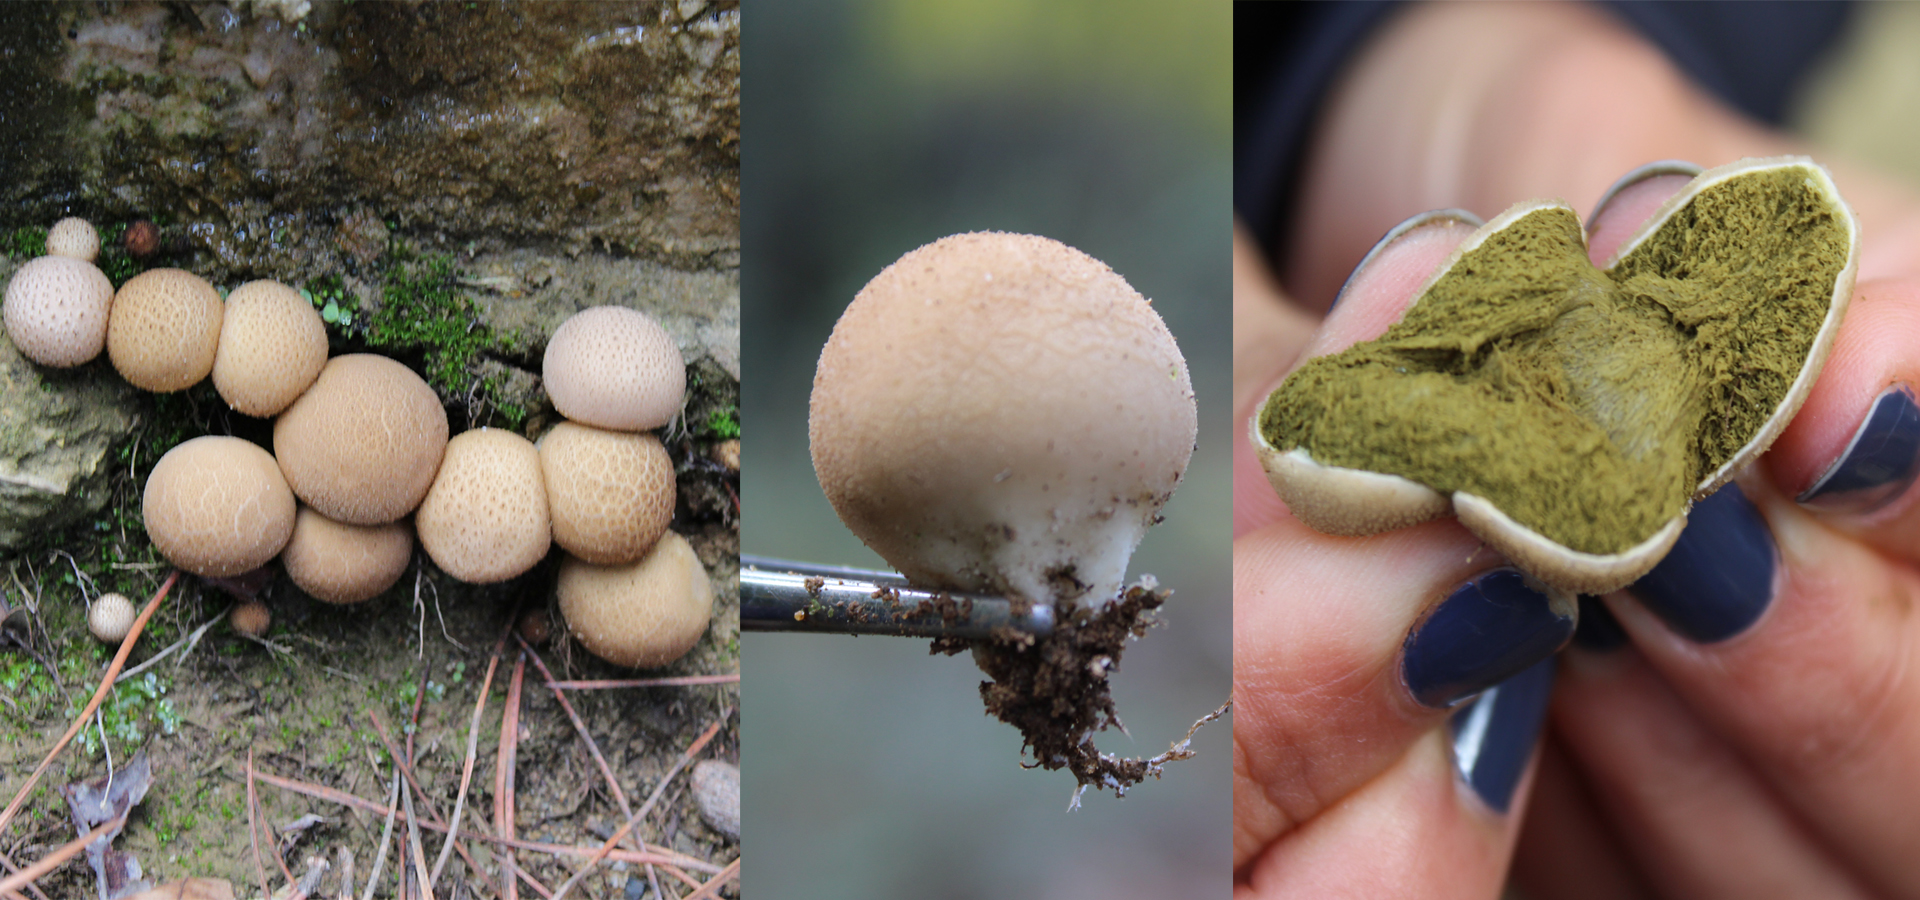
1480,106
1410,832
1697,820
1566,850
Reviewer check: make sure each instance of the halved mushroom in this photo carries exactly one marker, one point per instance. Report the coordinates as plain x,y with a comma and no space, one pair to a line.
1568,414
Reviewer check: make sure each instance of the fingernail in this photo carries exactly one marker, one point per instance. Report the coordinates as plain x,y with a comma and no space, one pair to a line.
1493,736
1650,170
1879,464
1486,631
1718,578
1430,217
1599,631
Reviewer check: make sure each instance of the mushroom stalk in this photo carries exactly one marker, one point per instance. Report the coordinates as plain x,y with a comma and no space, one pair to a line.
780,595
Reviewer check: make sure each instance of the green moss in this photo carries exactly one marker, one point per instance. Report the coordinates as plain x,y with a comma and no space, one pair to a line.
27,242
424,311
724,424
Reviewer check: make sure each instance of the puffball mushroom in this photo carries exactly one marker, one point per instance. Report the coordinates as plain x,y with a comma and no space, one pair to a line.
340,563
251,618
57,310
272,347
362,444
218,506
643,614
74,238
110,618
614,368
611,493
485,519
1001,413
164,330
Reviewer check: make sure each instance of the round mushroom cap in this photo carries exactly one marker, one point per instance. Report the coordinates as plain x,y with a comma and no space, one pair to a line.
164,330
611,492
218,506
615,368
485,520
74,238
110,618
1001,412
341,563
57,310
643,614
251,618
362,444
272,347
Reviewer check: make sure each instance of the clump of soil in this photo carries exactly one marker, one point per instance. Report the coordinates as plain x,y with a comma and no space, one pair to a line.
1055,689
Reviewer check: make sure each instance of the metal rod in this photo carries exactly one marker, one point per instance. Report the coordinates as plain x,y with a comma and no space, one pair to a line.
780,595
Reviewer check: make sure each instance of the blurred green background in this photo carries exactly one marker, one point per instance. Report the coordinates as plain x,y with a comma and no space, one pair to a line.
872,127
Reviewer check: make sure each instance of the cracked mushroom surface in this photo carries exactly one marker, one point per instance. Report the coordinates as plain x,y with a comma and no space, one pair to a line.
57,310
1002,413
485,520
362,445
1570,414
164,330
217,506
611,493
272,347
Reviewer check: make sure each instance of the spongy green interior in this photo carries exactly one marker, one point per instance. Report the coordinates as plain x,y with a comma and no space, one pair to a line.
1587,404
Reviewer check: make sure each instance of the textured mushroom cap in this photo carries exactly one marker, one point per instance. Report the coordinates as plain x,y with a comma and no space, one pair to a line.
1001,412
643,614
272,347
74,238
613,367
251,618
485,520
164,330
56,310
362,444
341,563
611,492
218,506
110,618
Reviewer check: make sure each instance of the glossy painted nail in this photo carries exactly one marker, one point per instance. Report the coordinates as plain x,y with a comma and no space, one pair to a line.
1719,577
1430,217
1494,736
1650,170
1599,631
1485,632
1880,462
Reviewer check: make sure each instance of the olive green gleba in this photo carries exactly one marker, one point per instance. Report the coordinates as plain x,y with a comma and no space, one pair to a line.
1570,415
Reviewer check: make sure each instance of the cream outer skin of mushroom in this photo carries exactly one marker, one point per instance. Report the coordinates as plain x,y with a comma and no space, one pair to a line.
1002,413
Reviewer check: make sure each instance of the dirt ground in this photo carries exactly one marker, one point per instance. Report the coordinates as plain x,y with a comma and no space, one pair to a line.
304,702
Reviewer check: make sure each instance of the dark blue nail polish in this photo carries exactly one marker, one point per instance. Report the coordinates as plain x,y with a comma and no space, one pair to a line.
1719,577
1599,631
1879,464
1493,737
1485,632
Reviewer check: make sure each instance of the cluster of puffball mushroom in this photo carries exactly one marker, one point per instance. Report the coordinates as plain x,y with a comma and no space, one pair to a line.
360,442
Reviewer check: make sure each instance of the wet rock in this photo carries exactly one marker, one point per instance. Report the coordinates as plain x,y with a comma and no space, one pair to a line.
716,788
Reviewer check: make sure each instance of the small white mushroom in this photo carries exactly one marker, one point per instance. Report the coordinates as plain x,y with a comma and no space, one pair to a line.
614,368
57,310
110,618
1001,412
74,238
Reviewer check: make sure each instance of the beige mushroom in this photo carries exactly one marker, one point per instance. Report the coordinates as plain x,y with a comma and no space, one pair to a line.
611,492
1003,413
74,238
485,520
643,614
272,347
341,563
110,618
362,444
251,618
164,330
218,506
614,368
57,310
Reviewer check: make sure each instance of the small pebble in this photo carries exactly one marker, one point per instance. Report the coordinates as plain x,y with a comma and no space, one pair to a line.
716,787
